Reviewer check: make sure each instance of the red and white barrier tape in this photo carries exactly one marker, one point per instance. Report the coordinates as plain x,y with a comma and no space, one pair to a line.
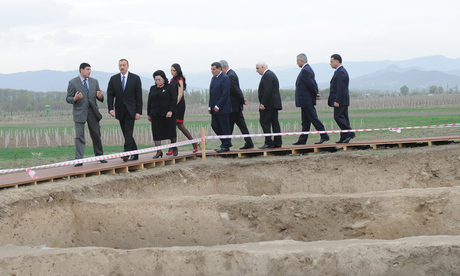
396,129
98,158
198,140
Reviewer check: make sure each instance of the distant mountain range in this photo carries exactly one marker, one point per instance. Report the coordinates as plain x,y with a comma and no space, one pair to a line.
376,75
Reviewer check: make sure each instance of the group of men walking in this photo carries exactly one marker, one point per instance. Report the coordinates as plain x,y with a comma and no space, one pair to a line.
226,101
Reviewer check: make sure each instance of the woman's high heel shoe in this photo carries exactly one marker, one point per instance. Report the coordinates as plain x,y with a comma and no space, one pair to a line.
195,147
175,151
158,155
170,152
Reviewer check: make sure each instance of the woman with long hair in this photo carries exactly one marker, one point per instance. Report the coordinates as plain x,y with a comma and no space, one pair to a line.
161,105
178,84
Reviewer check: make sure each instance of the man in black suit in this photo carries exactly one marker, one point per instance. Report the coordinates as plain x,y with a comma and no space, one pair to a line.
82,93
339,98
126,89
219,105
306,94
270,103
237,100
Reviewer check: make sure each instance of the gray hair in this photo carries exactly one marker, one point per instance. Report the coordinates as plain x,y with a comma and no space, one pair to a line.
224,64
262,63
302,57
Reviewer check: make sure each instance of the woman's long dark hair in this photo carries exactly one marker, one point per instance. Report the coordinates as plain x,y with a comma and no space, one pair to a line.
179,73
162,74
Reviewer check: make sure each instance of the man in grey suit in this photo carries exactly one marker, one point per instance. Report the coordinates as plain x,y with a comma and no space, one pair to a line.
85,110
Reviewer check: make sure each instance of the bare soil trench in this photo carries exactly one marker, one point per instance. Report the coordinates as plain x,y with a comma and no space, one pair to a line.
368,212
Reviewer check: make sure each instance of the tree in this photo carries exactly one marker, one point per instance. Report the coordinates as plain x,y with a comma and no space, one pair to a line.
324,93
404,90
440,90
432,89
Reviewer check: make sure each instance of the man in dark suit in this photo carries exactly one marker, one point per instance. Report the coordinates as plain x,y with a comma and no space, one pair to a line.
219,105
237,100
306,94
270,103
126,90
85,109
339,98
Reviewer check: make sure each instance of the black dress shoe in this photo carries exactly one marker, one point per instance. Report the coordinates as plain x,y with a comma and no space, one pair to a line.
298,143
266,146
219,150
322,140
125,158
246,146
133,157
175,151
78,165
104,161
346,140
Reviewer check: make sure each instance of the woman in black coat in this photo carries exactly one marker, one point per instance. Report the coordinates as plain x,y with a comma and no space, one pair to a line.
161,104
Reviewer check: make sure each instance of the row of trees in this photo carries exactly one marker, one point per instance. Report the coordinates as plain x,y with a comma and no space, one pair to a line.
12,100
28,101
433,89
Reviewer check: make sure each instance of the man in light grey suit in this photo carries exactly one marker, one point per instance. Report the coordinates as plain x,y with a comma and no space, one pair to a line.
85,110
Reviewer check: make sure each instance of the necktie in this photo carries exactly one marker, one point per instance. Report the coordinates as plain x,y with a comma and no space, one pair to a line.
212,80
123,83
86,88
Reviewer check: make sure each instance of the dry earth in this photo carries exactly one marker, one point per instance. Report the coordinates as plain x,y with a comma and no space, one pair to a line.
368,212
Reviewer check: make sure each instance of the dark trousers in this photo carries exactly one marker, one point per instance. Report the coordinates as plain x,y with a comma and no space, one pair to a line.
94,132
221,125
268,121
127,127
342,120
309,117
238,119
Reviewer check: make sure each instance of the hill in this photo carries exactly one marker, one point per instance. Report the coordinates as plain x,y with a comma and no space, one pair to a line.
378,75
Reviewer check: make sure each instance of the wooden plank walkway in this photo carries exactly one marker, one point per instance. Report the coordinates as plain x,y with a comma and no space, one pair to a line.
94,168
145,160
330,146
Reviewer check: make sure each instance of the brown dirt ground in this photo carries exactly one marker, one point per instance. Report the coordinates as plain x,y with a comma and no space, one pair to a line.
364,212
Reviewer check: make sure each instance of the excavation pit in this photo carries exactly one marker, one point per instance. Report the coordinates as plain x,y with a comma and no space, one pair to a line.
401,198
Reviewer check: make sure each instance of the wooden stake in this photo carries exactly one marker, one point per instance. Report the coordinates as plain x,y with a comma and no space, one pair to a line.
203,145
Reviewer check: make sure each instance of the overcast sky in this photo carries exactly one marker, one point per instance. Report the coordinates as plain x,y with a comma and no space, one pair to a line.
59,35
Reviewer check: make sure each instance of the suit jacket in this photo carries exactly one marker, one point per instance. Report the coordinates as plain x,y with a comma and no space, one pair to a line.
236,95
269,91
131,98
339,88
80,107
306,88
219,94
161,101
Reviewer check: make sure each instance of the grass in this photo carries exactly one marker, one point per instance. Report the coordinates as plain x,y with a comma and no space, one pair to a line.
28,157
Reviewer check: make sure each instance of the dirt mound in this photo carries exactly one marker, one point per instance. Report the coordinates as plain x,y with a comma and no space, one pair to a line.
261,216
